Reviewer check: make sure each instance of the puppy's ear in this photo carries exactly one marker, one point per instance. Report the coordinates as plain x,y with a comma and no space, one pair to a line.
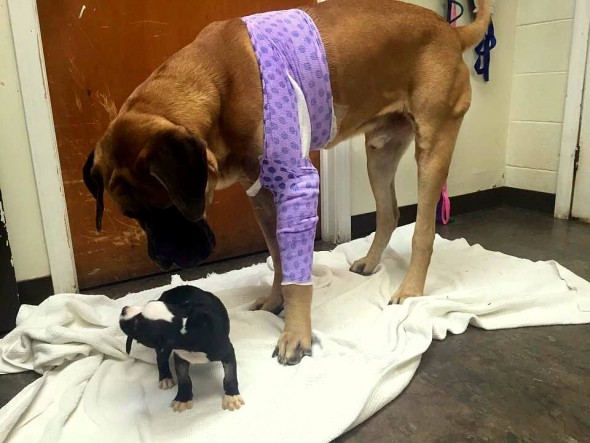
178,160
128,344
93,181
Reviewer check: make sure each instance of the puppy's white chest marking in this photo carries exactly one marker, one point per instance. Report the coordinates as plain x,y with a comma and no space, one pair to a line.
192,357
183,329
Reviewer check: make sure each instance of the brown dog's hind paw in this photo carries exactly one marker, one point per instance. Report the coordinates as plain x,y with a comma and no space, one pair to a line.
166,383
363,266
269,303
291,349
181,406
232,402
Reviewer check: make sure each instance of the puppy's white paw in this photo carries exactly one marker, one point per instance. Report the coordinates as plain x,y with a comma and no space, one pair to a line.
167,383
232,402
180,406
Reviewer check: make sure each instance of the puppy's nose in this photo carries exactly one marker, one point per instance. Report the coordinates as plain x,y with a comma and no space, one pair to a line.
124,311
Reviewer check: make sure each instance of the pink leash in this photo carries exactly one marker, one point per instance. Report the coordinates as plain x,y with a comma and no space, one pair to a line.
445,202
445,206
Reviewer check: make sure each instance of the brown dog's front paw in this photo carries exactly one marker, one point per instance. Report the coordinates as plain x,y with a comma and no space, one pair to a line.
270,303
401,294
232,402
166,383
181,406
292,347
363,266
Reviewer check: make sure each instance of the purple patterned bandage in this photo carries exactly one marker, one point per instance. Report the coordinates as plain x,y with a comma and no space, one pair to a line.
298,117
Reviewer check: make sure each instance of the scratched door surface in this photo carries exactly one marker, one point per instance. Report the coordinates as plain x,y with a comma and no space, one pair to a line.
96,52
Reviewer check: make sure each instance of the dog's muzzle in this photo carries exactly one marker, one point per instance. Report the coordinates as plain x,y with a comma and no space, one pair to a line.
174,240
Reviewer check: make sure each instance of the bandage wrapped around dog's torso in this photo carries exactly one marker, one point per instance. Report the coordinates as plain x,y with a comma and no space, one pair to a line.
191,324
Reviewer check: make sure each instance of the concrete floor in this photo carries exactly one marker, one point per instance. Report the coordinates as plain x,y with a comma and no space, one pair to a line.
523,385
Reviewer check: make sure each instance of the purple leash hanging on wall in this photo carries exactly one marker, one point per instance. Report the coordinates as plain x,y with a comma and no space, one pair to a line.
484,49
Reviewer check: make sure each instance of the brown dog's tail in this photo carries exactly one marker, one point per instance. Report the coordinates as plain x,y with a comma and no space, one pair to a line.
473,33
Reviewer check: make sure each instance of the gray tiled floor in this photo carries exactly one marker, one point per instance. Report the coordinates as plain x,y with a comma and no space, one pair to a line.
513,385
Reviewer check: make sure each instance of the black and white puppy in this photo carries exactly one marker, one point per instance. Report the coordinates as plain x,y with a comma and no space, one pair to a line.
193,325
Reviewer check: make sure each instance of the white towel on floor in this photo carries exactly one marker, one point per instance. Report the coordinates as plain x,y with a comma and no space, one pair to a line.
367,352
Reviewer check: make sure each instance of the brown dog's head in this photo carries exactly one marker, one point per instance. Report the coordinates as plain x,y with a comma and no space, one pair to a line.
160,175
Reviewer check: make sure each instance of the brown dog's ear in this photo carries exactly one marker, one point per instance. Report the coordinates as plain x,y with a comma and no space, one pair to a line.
178,161
94,183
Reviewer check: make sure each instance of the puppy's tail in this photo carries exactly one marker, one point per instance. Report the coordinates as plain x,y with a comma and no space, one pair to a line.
473,33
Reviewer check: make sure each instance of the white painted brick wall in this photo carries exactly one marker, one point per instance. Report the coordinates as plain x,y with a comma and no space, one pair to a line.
541,60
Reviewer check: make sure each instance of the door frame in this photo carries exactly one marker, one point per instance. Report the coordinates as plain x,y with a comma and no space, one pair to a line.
43,144
24,19
573,109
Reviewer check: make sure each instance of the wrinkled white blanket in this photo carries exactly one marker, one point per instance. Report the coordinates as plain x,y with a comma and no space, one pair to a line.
367,352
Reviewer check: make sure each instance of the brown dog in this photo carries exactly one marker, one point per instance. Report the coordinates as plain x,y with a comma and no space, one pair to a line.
195,125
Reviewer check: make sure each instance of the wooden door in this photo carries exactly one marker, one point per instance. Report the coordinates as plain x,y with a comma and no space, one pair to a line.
96,53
